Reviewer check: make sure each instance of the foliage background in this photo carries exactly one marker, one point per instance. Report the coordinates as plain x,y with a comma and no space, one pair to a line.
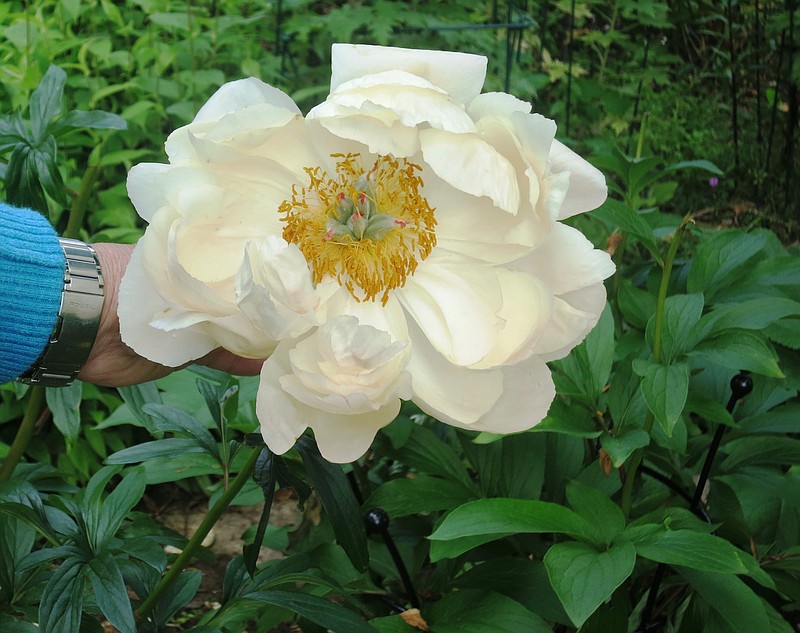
691,109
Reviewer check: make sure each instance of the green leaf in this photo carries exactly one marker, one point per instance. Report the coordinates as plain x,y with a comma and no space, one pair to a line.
636,305
569,419
136,397
119,503
740,349
327,614
12,625
338,500
717,261
401,497
617,214
265,475
600,350
62,598
665,389
620,446
705,165
168,418
428,454
583,578
600,512
755,314
733,600
65,403
167,448
479,611
521,579
485,520
681,313
689,548
392,624
766,450
46,100
28,515
110,592
182,591
95,119
43,159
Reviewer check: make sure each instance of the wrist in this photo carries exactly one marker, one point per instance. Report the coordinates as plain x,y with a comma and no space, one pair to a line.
78,318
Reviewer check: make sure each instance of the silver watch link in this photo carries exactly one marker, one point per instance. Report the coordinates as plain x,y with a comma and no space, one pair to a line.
78,319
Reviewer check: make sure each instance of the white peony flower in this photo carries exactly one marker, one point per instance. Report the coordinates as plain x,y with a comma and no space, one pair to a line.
402,241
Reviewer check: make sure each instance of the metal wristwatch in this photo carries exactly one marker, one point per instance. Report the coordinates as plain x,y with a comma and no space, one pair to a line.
78,319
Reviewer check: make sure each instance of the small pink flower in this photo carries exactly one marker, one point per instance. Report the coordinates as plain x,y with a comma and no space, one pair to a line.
713,181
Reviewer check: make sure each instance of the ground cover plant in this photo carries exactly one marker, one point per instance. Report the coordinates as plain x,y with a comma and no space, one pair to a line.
661,491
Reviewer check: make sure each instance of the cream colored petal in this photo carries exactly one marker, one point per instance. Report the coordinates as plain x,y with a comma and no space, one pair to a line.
343,439
497,104
388,318
450,393
274,289
236,334
574,315
250,126
139,304
461,75
281,417
567,261
239,94
587,185
536,134
210,240
455,303
378,128
528,392
471,165
414,106
526,311
474,227
152,186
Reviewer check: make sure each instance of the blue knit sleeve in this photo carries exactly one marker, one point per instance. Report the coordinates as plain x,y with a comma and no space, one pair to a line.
31,279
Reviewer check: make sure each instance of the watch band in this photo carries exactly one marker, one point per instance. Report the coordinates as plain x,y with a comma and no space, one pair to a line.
78,319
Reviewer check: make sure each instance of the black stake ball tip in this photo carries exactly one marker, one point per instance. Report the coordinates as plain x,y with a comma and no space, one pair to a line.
376,520
741,385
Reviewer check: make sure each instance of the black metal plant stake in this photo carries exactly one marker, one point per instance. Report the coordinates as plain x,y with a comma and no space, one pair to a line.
377,522
741,385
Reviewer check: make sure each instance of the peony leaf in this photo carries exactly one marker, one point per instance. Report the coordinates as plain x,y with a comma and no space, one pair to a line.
485,520
665,389
338,500
741,350
584,578
478,611
719,261
688,548
733,600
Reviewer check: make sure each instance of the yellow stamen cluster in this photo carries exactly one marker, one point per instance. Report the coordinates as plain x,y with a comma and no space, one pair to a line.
367,229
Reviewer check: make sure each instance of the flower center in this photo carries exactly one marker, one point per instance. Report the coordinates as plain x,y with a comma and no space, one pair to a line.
367,229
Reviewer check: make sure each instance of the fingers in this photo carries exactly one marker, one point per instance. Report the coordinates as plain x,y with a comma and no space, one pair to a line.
226,361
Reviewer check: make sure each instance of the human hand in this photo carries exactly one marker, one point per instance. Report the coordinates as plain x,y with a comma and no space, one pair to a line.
114,364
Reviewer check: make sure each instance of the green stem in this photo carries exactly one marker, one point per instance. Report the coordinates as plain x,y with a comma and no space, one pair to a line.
78,210
202,531
638,455
24,433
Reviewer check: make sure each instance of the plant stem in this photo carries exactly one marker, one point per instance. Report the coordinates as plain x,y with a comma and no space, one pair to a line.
25,432
203,529
78,210
638,455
